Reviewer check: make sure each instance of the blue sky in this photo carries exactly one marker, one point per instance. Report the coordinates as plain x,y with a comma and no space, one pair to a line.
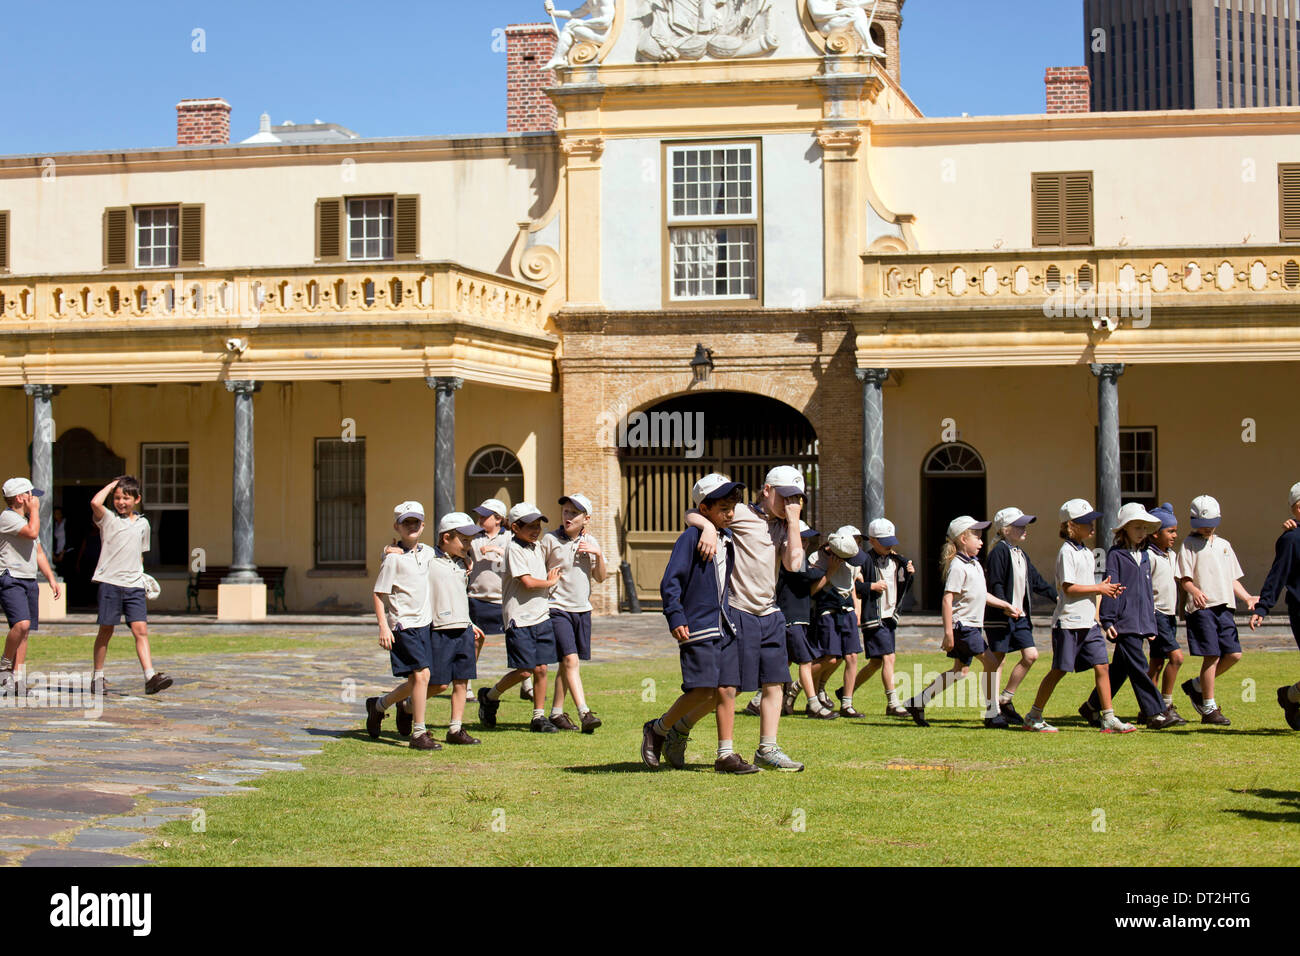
86,75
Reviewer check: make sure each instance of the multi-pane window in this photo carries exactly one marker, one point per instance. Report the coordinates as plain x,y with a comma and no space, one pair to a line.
165,490
494,473
713,221
157,236
340,503
1137,465
370,229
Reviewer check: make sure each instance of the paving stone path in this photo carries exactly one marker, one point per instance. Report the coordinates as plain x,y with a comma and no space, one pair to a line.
78,788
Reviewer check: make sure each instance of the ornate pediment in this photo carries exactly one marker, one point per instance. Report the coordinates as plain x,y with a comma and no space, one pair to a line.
695,29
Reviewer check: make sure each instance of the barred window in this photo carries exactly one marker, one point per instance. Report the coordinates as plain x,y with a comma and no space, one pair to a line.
165,490
340,503
157,236
713,234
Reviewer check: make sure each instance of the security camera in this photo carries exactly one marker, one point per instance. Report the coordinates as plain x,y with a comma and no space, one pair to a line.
1105,323
238,346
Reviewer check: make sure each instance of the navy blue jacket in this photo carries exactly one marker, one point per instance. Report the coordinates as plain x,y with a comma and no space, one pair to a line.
794,593
689,588
1284,575
1001,576
1134,611
871,599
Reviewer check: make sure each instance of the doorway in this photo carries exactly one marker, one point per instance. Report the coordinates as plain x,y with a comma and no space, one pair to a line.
953,483
82,465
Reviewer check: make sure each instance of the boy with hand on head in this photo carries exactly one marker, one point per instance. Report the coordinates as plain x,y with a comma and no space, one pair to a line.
120,573
1209,574
578,558
835,619
881,592
487,558
530,639
1166,654
21,558
404,610
694,590
1284,578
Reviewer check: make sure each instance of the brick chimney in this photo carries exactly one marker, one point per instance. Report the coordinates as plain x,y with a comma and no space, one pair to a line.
528,47
1068,89
203,122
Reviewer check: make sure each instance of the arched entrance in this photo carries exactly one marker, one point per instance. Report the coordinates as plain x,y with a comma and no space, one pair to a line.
953,483
494,472
82,465
666,448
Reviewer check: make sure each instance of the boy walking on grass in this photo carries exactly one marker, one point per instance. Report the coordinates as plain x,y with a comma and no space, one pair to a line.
21,557
579,559
1284,578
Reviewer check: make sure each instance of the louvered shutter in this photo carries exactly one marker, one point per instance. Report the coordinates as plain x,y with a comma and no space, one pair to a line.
1077,209
1047,209
117,232
1288,189
4,240
406,227
191,234
329,230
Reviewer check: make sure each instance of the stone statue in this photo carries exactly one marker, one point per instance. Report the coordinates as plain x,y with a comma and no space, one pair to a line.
723,29
832,15
594,30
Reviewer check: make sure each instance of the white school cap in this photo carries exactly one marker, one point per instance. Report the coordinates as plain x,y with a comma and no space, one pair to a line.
1011,518
526,513
1295,493
960,526
712,487
581,502
883,530
1205,512
493,506
408,509
460,522
805,531
786,479
19,486
1079,510
1135,512
852,529
842,544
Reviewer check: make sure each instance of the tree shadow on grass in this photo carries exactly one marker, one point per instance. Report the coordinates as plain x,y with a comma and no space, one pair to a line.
625,767
1284,798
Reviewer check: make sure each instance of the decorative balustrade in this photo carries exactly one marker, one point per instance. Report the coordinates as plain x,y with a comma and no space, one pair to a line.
368,291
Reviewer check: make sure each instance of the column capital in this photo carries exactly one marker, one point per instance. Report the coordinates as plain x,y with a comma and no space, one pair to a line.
444,383
872,376
243,386
1110,370
46,392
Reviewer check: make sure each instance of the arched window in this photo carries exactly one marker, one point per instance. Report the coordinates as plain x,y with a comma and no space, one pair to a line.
494,472
954,458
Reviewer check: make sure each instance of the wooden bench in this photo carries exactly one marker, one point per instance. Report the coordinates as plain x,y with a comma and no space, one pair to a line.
209,578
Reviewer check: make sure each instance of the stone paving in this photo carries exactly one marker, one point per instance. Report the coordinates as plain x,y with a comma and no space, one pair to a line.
78,788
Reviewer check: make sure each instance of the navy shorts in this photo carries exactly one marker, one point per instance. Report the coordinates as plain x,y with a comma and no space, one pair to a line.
879,641
530,647
968,643
486,615
412,649
762,649
1293,613
1212,632
1016,636
797,648
702,663
836,634
1166,639
572,633
116,603
1077,649
21,599
453,655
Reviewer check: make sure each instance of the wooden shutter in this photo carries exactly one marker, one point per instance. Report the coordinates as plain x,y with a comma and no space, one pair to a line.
4,240
329,230
1047,209
117,238
1076,191
191,234
406,227
1288,190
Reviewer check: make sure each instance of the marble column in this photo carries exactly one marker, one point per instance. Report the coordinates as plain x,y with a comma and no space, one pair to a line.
444,443
43,458
1108,484
243,567
873,444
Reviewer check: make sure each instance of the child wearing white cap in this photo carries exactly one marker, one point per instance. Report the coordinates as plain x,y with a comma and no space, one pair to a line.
1209,574
965,596
881,592
1284,578
834,635
579,559
487,559
21,558
1166,653
1077,641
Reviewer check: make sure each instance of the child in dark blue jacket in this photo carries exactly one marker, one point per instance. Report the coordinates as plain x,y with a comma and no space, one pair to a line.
1129,620
694,592
1284,579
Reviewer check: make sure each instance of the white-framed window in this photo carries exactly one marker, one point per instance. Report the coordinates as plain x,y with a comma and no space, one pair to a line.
157,236
165,494
494,472
340,503
713,230
370,229
1137,466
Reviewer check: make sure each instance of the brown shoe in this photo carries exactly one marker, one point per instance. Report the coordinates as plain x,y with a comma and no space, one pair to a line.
589,722
1216,717
897,710
159,681
460,737
374,717
563,721
425,741
849,712
752,709
733,763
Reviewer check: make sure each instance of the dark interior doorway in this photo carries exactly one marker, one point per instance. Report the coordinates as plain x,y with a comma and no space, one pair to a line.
82,465
953,483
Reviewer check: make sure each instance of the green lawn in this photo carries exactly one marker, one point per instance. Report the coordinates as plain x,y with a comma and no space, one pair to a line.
956,794
44,650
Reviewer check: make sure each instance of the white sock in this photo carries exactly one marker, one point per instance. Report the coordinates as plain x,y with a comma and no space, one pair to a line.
417,729
758,699
1168,699
98,675
528,685
148,673
454,726
493,693
556,711
1035,714
584,709
1005,697
1210,705
846,701
538,713
891,698
724,748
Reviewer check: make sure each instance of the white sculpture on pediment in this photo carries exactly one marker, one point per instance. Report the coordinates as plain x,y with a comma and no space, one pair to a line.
593,30
833,15
690,29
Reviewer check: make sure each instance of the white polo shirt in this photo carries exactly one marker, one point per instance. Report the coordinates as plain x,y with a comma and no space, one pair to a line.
17,554
448,592
1164,579
1074,565
521,606
1019,577
757,543
485,569
121,556
885,570
572,592
1212,565
403,586
966,580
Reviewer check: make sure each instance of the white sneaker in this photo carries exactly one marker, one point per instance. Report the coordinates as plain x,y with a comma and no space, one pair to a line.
1110,724
776,759
1039,726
